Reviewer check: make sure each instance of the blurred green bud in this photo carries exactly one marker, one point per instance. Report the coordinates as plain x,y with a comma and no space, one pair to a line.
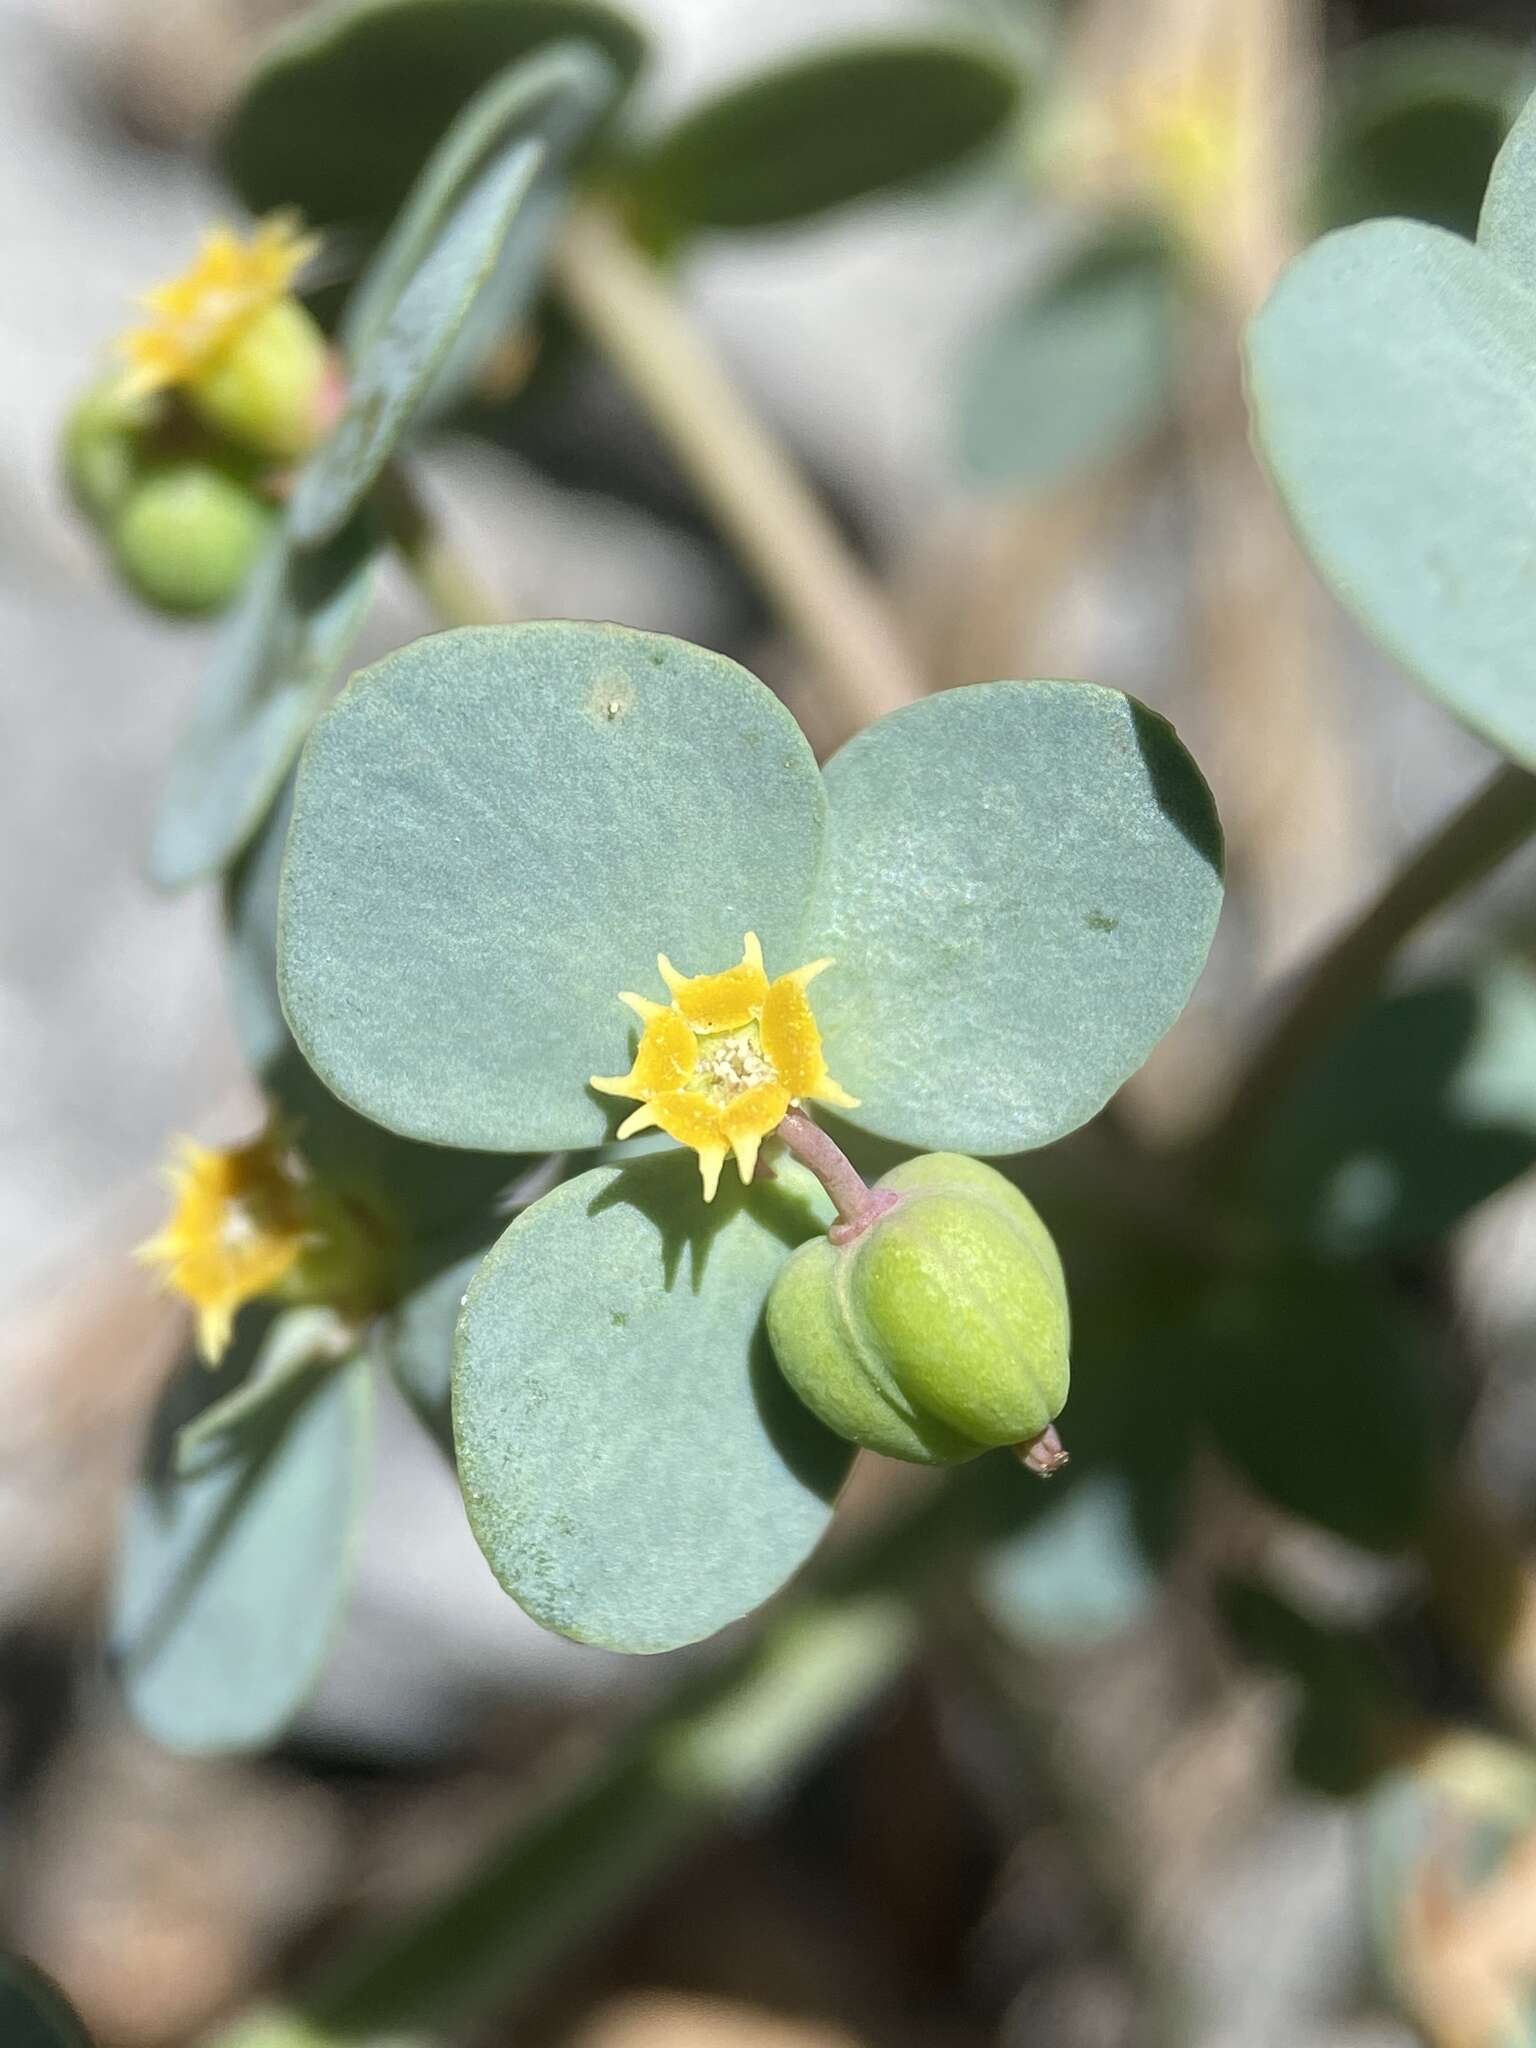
187,534
268,388
102,449
941,1330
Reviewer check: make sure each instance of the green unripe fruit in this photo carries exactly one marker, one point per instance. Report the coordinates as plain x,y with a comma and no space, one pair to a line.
267,389
102,450
187,535
941,1330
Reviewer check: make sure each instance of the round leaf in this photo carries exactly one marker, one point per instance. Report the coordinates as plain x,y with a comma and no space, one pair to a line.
1073,371
1413,127
1020,888
272,665
33,2012
1507,227
550,98
1422,1109
634,1467
428,1189
497,830
395,373
825,130
1391,379
230,1583
1314,1384
347,103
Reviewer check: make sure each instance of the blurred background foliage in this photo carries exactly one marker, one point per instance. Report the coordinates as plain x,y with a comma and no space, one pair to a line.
1226,1736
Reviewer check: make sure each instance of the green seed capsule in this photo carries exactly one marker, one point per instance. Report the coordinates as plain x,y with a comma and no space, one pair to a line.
941,1330
187,535
102,450
267,390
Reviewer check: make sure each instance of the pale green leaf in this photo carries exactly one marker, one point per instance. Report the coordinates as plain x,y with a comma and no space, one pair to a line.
1392,379
1020,888
634,1467
230,1584
497,830
276,656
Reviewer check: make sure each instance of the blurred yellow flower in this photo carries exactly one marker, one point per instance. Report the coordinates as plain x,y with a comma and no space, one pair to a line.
197,316
239,1228
719,1066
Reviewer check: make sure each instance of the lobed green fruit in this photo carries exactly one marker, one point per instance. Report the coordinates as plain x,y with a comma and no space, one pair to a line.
187,534
938,1333
267,391
102,450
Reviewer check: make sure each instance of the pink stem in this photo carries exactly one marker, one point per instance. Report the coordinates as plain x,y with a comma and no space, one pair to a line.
856,1203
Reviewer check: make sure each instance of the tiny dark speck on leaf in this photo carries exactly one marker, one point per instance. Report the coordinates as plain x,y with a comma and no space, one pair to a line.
618,1318
1098,921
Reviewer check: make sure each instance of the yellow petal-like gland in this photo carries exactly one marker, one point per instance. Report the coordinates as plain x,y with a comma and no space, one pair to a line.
238,1229
719,1002
195,317
720,1068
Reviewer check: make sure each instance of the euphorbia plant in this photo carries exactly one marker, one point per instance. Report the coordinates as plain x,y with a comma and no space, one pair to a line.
1004,895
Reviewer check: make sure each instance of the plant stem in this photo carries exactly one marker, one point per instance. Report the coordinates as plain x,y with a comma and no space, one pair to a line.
1493,825
454,594
731,1736
765,508
857,1203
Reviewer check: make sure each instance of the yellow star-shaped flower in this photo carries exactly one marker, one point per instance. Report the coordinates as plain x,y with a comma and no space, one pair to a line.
196,317
719,1066
240,1226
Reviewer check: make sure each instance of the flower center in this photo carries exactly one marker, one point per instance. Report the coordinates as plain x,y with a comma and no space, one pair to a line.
730,1062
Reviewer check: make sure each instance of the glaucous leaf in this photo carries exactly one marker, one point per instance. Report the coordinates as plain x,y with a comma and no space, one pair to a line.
551,98
1413,125
824,130
230,1583
416,1341
1019,891
634,1467
1075,369
276,655
1507,227
497,830
1314,1383
429,1190
394,374
1077,1575
298,1341
1390,378
34,2013
346,104
1424,1107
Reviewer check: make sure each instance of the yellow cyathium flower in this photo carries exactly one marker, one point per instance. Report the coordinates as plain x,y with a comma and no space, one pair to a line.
197,316
240,1226
1190,138
719,1066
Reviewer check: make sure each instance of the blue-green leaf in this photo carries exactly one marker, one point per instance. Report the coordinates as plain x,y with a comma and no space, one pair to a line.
496,830
230,1584
1412,127
1020,888
394,374
33,2012
299,1341
346,104
1424,1107
634,1467
274,660
1507,226
1391,379
823,130
429,1190
1314,1381
1075,369
551,98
